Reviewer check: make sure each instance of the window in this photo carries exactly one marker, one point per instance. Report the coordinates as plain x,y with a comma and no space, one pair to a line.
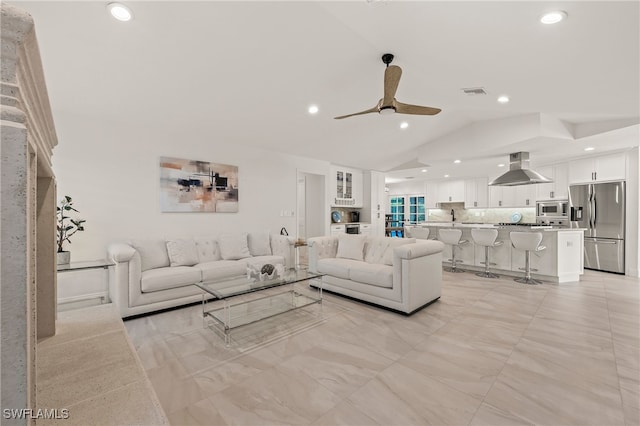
416,209
397,211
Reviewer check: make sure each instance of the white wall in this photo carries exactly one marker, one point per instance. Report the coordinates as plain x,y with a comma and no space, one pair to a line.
112,172
632,232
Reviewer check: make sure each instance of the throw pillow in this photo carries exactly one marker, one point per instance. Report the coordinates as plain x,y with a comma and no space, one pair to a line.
350,246
393,243
234,246
260,244
182,252
375,248
153,253
207,250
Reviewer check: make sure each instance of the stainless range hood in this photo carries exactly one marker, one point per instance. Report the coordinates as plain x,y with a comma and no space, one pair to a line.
519,172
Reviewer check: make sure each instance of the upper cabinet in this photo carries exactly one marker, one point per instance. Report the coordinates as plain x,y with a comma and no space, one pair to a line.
347,187
603,168
512,196
476,193
431,192
558,189
451,191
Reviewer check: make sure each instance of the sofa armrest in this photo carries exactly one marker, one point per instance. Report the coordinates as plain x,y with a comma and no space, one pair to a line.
321,248
282,245
120,252
418,249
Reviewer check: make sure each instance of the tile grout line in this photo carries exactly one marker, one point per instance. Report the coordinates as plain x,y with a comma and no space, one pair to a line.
615,357
510,354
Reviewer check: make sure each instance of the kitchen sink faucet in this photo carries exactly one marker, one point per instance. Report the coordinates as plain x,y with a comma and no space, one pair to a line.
453,215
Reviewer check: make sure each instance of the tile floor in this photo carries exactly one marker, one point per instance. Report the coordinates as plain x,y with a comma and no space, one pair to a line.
490,352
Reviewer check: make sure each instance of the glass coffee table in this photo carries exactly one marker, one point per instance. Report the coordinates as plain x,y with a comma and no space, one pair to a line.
244,312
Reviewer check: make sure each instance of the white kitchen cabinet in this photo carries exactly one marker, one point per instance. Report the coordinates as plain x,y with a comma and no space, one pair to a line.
476,193
337,230
523,196
431,195
347,187
558,189
602,168
451,191
365,229
512,196
374,207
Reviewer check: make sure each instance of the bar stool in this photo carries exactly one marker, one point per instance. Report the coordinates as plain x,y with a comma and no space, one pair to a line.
452,237
486,238
529,242
417,232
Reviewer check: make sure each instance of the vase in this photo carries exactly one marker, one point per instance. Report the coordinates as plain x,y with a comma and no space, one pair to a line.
63,257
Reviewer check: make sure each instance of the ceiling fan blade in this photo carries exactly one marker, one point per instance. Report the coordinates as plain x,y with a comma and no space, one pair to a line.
415,109
374,109
392,76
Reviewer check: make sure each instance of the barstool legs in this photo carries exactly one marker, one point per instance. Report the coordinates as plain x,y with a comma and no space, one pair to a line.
486,273
527,271
453,267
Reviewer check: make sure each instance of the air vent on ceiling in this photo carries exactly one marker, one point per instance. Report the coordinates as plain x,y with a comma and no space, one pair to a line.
474,91
409,177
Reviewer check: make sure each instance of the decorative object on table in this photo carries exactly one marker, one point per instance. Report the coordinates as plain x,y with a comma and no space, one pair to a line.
197,186
283,231
336,216
516,217
264,272
67,226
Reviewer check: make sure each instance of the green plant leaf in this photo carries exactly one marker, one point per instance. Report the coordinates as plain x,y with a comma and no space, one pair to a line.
68,198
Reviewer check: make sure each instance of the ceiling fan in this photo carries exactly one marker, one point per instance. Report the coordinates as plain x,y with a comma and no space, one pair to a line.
388,104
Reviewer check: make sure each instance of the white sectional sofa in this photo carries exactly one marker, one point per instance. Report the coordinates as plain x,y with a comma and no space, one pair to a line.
403,274
149,275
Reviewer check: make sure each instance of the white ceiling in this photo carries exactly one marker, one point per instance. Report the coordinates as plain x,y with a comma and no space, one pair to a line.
245,73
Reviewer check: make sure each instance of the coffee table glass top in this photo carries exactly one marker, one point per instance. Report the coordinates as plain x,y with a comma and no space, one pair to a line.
235,286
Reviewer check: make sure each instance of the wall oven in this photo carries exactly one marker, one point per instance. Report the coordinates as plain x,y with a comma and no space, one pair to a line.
553,212
555,208
352,228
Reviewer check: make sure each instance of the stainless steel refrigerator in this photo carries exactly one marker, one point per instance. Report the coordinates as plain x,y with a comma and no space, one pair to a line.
600,208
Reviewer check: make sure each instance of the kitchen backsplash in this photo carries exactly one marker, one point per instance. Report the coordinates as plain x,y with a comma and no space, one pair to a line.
493,215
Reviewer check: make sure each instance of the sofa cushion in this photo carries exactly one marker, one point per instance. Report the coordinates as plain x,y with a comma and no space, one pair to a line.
337,267
259,243
375,248
219,269
393,243
234,246
372,273
164,278
208,250
153,253
182,252
351,246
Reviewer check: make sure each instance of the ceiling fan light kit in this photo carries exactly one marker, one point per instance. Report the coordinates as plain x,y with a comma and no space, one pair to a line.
388,104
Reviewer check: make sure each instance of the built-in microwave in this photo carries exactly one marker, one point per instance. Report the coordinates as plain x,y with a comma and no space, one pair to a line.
554,208
352,228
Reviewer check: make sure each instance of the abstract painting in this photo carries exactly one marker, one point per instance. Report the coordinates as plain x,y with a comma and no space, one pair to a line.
197,186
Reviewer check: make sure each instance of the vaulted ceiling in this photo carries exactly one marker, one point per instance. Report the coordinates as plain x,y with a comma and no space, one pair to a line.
246,72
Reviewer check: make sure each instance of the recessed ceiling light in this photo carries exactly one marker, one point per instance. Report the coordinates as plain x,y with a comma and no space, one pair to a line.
424,170
404,125
500,165
590,148
313,109
446,175
553,17
503,99
456,161
120,11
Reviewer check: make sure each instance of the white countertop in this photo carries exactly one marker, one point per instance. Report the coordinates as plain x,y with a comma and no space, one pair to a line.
499,227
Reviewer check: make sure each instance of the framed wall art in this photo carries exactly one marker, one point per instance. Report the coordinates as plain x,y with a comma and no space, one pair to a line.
197,186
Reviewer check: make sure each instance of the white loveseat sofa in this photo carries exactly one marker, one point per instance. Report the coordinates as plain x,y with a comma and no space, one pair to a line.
403,274
149,275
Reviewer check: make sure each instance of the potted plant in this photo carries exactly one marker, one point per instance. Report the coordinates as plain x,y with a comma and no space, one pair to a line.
67,226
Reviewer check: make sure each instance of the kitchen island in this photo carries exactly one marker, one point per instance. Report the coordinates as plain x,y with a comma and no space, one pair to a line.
560,262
